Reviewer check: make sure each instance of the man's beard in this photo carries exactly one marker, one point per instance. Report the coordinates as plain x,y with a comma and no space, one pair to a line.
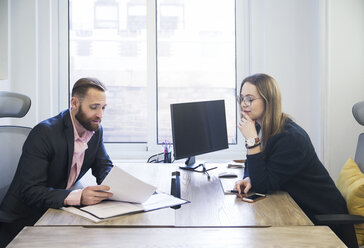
86,123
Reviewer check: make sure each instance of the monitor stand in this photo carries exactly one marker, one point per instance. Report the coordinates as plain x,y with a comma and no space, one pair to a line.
190,164
193,166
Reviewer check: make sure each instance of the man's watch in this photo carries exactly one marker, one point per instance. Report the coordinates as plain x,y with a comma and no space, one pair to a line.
252,142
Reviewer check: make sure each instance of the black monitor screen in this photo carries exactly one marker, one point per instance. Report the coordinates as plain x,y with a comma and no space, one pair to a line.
198,128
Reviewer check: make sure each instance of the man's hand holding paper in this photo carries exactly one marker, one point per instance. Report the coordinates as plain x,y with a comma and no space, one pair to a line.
95,194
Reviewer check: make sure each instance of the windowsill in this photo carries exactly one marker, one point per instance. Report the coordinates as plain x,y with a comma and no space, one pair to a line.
142,156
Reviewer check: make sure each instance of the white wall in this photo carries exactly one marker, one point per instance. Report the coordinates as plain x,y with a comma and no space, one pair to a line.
31,56
345,79
22,53
4,82
285,43
3,42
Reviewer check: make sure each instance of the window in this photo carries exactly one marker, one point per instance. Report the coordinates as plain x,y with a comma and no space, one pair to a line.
195,57
108,41
194,60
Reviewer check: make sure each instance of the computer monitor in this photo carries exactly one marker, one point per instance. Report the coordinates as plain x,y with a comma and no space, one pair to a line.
198,128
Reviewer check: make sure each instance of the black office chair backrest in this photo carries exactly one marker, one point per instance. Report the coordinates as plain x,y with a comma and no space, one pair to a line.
11,137
358,112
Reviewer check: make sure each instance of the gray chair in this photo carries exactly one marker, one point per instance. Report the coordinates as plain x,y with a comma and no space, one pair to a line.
358,112
347,221
12,137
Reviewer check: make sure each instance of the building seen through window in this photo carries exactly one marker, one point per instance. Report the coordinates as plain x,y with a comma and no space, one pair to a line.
195,59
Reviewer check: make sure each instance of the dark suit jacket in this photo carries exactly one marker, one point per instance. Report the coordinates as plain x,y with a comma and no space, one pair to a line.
290,164
44,166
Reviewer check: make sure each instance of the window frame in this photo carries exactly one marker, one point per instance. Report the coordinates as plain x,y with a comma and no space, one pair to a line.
141,151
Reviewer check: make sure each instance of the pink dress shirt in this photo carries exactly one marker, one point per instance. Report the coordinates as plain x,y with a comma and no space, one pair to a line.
80,146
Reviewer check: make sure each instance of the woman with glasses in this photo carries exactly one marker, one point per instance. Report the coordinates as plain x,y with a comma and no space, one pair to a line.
280,155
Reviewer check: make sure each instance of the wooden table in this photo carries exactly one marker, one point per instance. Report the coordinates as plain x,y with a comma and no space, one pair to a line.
209,206
296,236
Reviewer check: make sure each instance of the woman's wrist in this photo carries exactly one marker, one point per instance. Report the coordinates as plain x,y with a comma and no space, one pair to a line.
252,142
254,150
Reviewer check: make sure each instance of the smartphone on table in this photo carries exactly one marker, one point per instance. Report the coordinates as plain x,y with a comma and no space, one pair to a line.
253,198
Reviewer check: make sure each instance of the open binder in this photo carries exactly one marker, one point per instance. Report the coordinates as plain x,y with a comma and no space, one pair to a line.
108,209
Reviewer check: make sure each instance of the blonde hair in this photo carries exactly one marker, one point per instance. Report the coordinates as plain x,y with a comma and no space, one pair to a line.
273,118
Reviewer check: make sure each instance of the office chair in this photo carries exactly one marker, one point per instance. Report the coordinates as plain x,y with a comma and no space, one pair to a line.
12,140
346,222
358,112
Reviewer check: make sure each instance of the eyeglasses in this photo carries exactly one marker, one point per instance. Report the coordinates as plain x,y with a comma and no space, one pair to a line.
246,99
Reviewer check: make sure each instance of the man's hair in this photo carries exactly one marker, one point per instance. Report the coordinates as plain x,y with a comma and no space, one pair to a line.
273,118
82,85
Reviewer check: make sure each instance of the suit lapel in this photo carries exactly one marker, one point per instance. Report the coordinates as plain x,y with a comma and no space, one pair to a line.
70,139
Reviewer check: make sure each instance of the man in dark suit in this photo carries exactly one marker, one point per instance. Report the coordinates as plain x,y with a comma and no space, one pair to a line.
57,153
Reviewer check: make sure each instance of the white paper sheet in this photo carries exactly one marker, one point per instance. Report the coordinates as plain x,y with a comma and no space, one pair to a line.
126,187
162,200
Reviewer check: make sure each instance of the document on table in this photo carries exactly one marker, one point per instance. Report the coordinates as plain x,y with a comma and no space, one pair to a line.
126,187
107,209
130,195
